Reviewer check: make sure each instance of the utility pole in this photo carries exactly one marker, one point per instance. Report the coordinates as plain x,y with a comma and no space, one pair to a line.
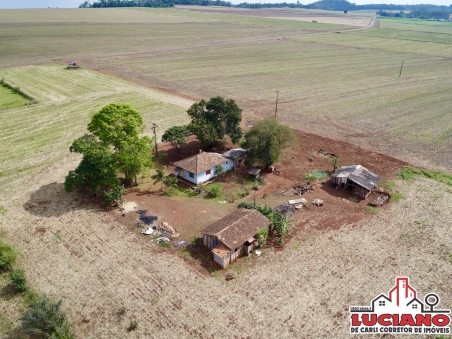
401,67
276,108
154,126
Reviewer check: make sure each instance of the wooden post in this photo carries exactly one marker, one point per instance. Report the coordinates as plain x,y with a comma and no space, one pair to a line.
276,108
401,67
154,126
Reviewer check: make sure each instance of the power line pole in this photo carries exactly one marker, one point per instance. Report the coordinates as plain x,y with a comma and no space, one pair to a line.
276,108
154,126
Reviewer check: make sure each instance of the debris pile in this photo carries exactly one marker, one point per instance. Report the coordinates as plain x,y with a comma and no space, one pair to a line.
285,209
323,152
298,190
166,231
317,202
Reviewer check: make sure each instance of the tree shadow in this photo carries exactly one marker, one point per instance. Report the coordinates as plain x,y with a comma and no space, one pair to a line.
338,192
52,200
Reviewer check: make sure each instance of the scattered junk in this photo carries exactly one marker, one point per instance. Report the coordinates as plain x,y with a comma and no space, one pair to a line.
378,199
297,190
317,202
254,172
73,65
285,209
274,170
147,231
249,123
358,178
258,253
166,231
223,202
162,239
298,201
325,153
180,244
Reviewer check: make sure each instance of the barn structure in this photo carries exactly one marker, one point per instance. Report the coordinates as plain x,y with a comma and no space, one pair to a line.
234,235
201,167
358,178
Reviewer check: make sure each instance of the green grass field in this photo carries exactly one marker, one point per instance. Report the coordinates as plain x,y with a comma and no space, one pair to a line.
35,136
10,99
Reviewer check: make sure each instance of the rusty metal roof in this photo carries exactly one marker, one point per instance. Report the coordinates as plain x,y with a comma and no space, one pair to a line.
201,162
236,152
237,227
358,174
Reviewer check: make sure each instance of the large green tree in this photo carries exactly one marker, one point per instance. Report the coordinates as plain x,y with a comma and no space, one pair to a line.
213,120
113,147
116,123
177,136
266,141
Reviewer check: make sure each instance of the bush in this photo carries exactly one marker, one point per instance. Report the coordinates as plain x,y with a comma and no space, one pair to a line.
262,235
114,195
245,204
132,326
164,244
45,319
8,256
215,190
219,170
18,280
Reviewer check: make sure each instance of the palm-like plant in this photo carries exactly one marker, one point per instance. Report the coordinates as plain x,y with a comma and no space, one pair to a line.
46,320
170,181
159,177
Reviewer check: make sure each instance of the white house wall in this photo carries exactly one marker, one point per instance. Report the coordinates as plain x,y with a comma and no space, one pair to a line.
202,177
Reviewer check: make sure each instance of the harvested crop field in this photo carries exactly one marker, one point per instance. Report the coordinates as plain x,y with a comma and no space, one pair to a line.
107,274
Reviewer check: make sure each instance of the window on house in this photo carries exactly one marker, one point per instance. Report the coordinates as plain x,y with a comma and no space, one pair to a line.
415,306
208,172
191,175
381,303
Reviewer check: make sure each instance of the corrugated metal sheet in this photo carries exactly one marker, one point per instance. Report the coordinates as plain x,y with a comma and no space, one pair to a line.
358,174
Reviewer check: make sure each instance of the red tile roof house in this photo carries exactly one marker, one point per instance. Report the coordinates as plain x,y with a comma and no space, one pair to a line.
234,235
201,167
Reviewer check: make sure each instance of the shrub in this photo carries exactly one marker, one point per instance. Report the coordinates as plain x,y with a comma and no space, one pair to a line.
219,170
261,180
246,204
114,195
215,190
132,326
262,235
46,319
3,210
164,244
18,280
8,256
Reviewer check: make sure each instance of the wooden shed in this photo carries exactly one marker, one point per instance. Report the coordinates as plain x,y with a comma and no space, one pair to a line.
234,235
358,178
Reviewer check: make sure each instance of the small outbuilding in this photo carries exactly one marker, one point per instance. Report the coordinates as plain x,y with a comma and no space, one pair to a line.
358,178
237,155
234,235
201,167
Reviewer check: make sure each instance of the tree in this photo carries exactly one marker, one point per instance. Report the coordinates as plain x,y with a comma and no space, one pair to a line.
177,136
170,181
335,162
116,123
96,171
159,177
266,141
134,155
113,147
213,120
